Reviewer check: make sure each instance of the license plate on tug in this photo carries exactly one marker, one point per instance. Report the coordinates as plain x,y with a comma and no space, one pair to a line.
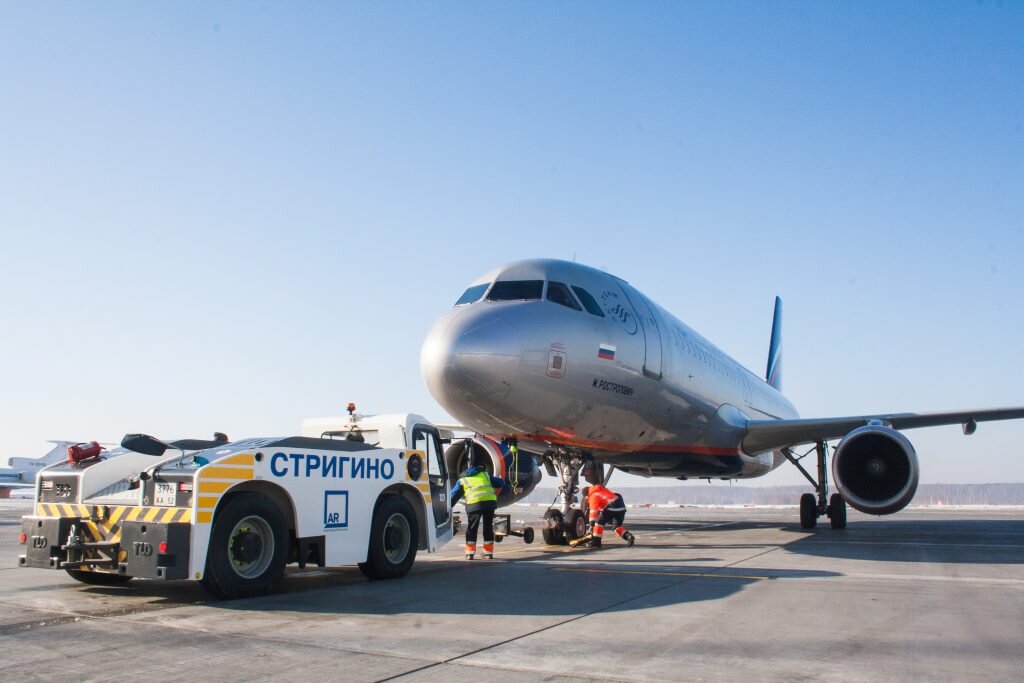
165,494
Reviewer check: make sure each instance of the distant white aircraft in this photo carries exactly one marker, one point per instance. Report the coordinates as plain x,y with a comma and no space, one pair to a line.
576,367
21,472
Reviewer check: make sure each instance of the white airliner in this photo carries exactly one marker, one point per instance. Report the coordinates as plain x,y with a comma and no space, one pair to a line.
21,472
578,369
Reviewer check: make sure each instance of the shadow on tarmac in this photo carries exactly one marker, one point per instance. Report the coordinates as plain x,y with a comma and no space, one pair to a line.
549,581
935,541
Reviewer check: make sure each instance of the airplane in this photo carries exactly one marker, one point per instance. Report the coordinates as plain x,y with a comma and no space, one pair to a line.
21,472
559,364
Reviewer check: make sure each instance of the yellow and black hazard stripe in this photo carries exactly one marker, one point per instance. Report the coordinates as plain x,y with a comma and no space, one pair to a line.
216,478
103,522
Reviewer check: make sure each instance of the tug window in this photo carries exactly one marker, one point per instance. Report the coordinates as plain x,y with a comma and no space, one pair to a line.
516,290
560,294
473,294
588,301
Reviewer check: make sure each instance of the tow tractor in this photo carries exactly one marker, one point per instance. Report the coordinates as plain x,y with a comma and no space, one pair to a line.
232,515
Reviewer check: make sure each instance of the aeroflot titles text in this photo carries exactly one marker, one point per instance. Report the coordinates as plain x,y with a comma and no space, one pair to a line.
336,466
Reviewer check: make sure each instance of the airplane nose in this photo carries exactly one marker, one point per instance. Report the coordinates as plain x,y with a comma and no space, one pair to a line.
470,361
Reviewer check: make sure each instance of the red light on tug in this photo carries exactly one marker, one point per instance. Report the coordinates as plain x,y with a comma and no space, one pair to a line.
22,538
162,548
84,451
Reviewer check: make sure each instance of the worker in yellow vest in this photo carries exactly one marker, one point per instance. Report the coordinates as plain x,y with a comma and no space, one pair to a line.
481,492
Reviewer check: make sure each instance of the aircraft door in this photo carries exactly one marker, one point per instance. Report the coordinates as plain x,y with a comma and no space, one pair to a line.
427,440
649,325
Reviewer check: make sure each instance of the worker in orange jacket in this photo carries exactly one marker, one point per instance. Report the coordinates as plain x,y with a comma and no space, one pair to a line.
606,508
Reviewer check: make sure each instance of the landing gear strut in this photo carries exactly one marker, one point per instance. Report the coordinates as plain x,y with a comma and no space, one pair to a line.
814,505
567,522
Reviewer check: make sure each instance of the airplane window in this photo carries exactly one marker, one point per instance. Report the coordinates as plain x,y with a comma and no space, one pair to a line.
589,302
560,294
516,290
473,294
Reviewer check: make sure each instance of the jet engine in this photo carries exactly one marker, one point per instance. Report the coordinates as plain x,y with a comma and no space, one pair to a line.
520,472
875,469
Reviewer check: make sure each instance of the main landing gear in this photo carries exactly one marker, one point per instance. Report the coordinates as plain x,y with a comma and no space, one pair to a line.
566,522
813,506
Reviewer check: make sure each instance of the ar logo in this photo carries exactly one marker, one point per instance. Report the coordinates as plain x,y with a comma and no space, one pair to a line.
335,510
618,310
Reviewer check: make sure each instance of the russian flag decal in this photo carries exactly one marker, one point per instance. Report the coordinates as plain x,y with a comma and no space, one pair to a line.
606,351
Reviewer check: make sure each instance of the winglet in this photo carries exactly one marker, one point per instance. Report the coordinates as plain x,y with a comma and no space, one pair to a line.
773,375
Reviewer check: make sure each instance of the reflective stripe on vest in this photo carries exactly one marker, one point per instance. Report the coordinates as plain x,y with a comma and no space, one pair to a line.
478,488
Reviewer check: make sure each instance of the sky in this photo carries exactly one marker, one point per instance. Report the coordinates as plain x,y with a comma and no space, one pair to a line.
233,216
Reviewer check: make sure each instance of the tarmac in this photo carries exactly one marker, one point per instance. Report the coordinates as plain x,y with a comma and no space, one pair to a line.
706,594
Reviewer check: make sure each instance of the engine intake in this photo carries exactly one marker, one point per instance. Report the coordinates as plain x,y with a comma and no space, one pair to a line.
521,474
875,469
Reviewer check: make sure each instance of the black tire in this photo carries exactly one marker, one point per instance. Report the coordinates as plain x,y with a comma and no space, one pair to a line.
527,535
808,511
98,578
248,547
553,536
394,539
837,511
575,526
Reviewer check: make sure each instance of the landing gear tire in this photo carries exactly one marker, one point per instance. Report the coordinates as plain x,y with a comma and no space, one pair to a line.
394,539
808,511
98,578
554,536
575,526
248,547
837,511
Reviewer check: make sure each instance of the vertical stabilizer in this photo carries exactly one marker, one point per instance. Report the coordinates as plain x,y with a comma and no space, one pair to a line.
773,375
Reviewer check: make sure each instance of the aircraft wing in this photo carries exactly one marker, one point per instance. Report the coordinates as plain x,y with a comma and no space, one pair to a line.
766,435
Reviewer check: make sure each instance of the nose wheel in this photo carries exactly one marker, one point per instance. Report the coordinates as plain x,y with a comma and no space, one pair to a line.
568,522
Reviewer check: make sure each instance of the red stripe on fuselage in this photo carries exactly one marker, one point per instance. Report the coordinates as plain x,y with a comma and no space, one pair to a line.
632,448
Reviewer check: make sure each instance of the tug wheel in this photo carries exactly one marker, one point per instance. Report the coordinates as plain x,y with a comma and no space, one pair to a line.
248,547
394,539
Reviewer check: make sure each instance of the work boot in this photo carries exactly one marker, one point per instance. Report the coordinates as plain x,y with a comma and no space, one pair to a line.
488,556
630,538
469,556
595,542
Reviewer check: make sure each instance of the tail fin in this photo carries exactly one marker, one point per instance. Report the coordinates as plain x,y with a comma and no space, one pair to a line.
773,375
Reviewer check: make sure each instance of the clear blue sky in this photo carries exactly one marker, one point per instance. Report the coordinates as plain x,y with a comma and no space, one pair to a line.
232,216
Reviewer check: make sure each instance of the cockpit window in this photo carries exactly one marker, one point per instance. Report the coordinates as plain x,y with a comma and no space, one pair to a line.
516,290
473,294
588,301
560,294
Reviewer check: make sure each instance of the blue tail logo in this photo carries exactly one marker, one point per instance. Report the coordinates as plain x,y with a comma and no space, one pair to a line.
773,375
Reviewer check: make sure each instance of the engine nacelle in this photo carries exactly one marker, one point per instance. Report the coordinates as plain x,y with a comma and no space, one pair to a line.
521,473
875,469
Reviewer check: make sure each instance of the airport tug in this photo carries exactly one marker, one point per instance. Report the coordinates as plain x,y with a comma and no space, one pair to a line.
232,515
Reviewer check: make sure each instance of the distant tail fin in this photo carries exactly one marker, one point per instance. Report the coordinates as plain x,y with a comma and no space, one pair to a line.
774,373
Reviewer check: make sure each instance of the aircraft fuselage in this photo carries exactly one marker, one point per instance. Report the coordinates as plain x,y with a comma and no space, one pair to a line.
603,369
